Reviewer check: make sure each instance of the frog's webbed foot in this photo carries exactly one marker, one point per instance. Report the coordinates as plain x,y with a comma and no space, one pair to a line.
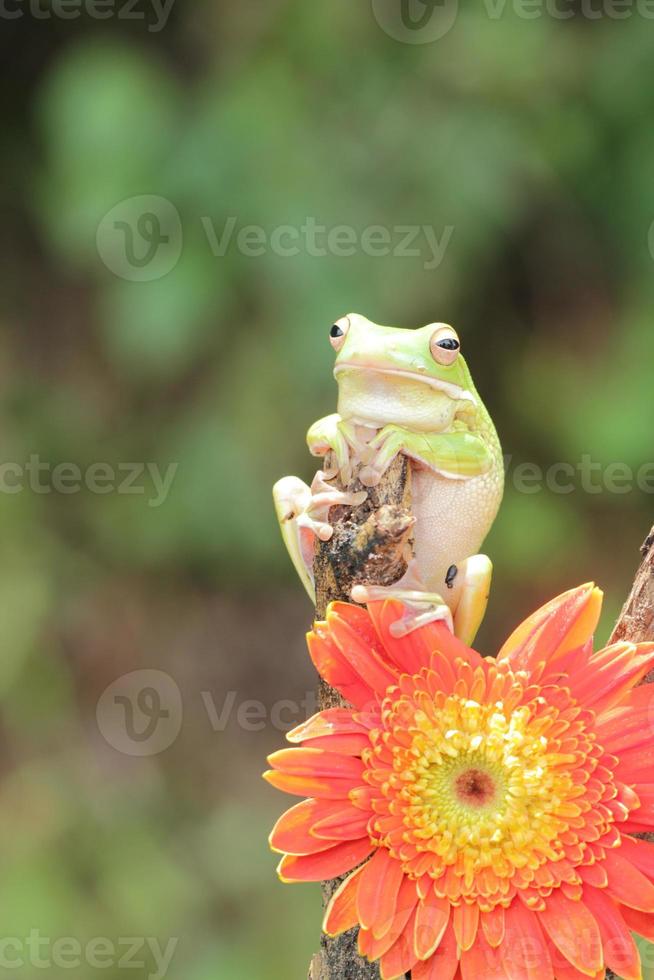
385,446
457,455
303,514
469,583
344,440
421,607
466,586
315,515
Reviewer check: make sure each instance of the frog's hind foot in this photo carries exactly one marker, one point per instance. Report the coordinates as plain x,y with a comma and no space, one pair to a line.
466,585
421,607
469,586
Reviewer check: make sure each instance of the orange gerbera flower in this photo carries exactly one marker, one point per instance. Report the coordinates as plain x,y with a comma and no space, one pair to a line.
485,808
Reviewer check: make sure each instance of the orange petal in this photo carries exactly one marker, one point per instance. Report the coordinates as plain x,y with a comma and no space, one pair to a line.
323,788
432,917
445,671
633,827
292,832
636,764
326,864
565,970
324,724
465,919
341,912
407,899
366,945
342,823
358,619
344,744
412,652
645,812
355,636
493,925
627,728
594,874
524,951
612,672
638,698
443,964
315,762
620,952
563,624
482,961
574,931
334,668
627,884
639,922
640,853
378,892
399,959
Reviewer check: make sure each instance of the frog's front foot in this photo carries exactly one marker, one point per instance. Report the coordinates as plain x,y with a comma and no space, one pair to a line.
421,607
314,515
385,446
344,440
303,514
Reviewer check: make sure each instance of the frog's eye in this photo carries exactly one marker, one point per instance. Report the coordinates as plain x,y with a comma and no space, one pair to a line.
338,333
445,346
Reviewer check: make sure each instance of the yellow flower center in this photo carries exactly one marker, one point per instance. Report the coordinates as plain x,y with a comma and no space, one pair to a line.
482,781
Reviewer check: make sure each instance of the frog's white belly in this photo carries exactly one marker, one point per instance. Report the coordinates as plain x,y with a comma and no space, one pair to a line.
452,519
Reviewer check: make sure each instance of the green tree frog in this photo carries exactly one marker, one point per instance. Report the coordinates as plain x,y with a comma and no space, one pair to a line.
406,391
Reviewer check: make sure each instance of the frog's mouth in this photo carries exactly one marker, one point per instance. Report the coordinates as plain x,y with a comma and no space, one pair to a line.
454,391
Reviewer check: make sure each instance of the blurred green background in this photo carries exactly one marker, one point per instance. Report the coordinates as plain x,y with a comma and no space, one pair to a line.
531,140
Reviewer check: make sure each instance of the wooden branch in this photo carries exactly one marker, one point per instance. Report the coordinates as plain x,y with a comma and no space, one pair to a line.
636,622
371,543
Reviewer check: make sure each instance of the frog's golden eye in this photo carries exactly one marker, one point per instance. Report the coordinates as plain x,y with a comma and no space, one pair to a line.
445,346
338,333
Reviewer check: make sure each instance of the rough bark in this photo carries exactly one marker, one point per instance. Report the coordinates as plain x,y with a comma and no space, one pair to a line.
636,622
371,543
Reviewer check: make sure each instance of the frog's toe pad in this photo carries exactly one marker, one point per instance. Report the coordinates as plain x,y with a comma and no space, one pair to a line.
369,476
413,619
